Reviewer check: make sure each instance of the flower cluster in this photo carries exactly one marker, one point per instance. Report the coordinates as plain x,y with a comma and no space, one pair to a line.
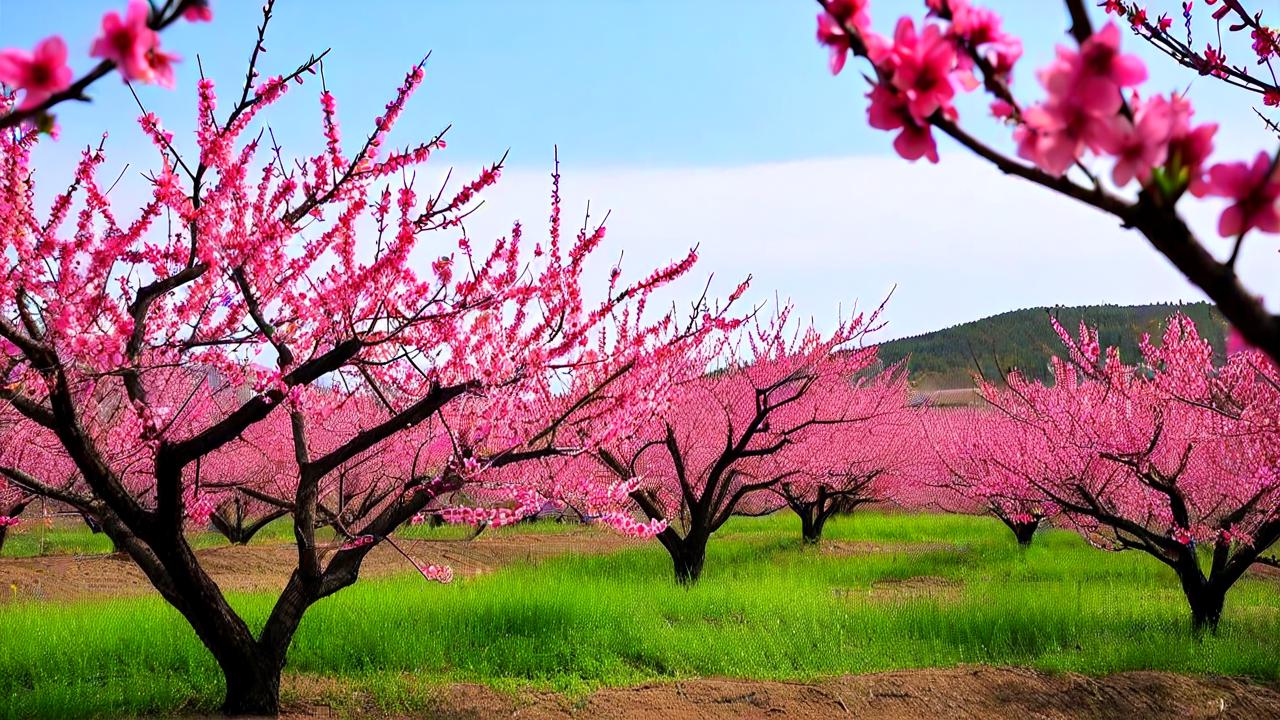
1091,106
437,573
134,47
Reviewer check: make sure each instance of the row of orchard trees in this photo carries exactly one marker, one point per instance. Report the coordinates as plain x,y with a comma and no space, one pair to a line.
314,337
1173,455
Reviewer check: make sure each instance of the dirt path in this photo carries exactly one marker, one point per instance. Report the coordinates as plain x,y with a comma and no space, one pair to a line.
966,693
267,567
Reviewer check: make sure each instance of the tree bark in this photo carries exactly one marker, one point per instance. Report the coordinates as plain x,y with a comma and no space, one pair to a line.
1206,601
812,520
252,691
1025,532
688,563
687,553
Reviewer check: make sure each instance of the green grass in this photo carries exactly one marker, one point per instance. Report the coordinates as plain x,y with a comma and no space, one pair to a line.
766,608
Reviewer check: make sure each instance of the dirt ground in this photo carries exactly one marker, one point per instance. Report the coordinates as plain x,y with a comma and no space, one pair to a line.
267,567
954,694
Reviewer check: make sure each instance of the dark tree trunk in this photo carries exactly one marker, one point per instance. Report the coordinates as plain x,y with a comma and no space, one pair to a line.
95,527
251,691
1206,601
812,520
4,532
688,564
1025,532
236,530
688,554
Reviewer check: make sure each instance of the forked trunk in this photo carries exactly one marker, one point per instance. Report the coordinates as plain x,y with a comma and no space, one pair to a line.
1025,532
811,524
687,555
1206,603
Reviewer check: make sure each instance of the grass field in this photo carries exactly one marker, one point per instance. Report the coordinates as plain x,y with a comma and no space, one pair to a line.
886,591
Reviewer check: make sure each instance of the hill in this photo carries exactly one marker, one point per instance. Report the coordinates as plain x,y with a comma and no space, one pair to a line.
1023,339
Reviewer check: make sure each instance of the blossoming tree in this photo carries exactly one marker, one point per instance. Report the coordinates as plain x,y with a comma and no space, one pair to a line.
713,446
968,472
851,464
249,288
1173,457
1090,113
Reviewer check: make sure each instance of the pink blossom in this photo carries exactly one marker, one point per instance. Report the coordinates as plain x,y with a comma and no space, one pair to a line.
831,24
1001,109
1236,342
161,64
1054,136
1142,144
439,573
889,111
1093,76
1255,192
357,542
198,11
40,73
128,42
921,69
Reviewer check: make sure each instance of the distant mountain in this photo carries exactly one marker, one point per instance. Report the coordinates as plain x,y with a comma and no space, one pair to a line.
1023,339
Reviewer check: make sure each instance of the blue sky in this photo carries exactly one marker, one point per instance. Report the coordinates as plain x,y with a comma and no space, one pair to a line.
711,122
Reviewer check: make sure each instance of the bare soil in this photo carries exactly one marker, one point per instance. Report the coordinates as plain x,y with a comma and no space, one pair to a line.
267,567
954,694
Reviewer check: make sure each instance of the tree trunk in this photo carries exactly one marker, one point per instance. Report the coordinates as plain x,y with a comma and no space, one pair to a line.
252,691
811,524
1024,532
95,527
687,557
1206,603
4,531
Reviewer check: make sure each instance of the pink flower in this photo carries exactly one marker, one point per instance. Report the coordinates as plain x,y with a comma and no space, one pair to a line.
1054,136
128,42
1141,145
922,65
831,24
438,573
161,64
198,11
40,73
1256,193
889,111
1093,76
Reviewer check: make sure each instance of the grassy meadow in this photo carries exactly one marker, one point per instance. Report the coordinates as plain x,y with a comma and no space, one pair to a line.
885,591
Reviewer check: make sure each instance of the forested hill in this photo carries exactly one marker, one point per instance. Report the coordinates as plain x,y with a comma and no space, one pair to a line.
1024,339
